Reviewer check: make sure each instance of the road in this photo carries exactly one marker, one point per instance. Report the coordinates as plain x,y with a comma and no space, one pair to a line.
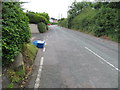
73,59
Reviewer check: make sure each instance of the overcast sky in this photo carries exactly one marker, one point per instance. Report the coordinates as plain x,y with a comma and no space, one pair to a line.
55,8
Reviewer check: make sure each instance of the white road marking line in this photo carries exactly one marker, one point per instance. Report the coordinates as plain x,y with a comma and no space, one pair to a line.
38,76
41,63
37,82
44,49
40,68
36,86
103,59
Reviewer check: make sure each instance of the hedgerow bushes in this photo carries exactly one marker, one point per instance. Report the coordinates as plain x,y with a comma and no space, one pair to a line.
63,22
15,31
107,23
99,19
85,20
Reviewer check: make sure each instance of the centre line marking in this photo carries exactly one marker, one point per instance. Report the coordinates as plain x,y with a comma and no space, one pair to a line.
103,59
37,82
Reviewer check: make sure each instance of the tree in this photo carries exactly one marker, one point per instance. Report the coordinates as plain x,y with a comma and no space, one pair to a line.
75,9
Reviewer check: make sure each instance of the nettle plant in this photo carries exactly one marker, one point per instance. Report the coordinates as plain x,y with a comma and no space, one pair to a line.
15,31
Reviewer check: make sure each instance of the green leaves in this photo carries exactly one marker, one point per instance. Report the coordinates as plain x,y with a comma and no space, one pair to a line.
15,31
38,17
42,27
63,22
105,21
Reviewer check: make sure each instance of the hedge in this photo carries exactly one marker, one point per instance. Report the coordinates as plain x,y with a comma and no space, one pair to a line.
15,31
42,27
44,15
107,23
36,18
63,23
85,20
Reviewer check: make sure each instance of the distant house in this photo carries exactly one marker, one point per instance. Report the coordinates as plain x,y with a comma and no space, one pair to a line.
53,20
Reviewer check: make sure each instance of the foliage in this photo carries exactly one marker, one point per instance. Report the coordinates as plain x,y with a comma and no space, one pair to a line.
20,72
75,9
38,17
15,31
47,27
42,27
15,77
84,21
52,23
106,19
113,5
63,22
0,52
44,15
11,85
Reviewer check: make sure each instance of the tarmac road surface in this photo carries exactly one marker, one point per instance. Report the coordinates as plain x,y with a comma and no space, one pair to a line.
73,59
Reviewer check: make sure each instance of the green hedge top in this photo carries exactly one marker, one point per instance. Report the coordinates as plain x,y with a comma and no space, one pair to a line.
37,18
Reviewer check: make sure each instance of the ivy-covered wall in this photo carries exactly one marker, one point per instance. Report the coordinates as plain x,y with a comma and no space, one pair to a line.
15,31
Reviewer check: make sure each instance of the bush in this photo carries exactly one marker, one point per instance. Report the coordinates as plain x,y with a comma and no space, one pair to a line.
15,31
44,15
47,27
42,27
84,21
36,18
15,76
32,18
107,23
63,23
